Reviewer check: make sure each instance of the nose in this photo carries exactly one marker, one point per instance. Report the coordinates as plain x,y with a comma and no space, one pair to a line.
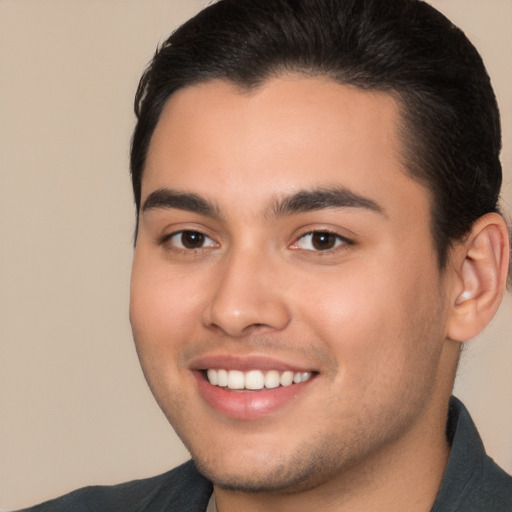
246,296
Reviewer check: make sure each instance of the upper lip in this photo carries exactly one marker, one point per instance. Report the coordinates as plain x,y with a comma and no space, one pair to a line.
245,363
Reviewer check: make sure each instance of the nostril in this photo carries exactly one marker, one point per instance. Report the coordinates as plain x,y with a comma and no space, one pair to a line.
238,307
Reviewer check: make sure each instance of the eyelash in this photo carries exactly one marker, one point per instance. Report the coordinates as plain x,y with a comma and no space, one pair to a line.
167,240
339,241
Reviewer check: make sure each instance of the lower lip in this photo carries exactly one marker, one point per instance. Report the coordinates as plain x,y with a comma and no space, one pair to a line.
248,405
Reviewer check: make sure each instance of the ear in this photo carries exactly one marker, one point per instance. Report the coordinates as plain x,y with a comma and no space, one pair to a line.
481,264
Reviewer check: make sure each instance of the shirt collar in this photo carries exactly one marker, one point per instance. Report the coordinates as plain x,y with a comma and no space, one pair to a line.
466,459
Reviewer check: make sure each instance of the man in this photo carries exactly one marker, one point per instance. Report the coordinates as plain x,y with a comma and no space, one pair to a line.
318,234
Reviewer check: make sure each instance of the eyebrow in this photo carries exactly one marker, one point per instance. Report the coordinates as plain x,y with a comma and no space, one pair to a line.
166,198
320,199
302,201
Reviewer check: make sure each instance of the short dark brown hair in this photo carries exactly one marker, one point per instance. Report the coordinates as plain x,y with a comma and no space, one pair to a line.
451,128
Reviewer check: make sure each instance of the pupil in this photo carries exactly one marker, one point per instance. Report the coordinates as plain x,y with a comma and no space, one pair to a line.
323,240
192,239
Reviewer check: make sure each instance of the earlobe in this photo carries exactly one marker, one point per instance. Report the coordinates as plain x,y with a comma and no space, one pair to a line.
481,263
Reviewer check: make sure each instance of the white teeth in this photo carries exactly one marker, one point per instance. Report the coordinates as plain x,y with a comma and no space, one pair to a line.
255,379
236,379
301,377
304,376
222,378
213,377
286,379
272,379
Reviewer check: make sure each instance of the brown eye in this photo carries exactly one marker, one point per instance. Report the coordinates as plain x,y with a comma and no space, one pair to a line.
191,240
323,241
320,241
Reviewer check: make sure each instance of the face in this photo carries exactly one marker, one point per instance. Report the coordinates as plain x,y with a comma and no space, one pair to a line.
286,303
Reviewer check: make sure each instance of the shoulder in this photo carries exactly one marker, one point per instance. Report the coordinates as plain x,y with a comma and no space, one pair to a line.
472,482
182,489
496,487
490,490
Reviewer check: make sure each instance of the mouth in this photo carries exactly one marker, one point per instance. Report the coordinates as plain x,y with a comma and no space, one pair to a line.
251,388
255,380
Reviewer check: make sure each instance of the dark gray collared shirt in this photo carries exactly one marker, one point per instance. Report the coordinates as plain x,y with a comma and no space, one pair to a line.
472,481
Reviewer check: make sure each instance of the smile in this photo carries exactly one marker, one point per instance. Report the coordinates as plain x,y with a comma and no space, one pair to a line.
254,380
251,388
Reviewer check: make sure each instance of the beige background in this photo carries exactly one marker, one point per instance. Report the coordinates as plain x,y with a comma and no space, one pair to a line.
74,407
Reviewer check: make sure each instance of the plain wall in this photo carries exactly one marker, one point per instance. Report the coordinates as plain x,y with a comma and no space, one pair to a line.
74,407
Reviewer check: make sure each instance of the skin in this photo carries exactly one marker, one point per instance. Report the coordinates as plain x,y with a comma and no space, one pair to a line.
369,316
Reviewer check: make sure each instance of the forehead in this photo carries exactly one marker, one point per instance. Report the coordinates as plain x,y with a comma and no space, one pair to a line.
288,134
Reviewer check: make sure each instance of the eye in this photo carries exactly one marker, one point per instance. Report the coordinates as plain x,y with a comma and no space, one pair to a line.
319,241
190,240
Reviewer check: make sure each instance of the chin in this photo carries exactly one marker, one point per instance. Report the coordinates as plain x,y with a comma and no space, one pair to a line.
280,478
276,472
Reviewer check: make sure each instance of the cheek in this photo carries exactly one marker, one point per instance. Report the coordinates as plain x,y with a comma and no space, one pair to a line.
161,311
348,305
162,306
374,319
